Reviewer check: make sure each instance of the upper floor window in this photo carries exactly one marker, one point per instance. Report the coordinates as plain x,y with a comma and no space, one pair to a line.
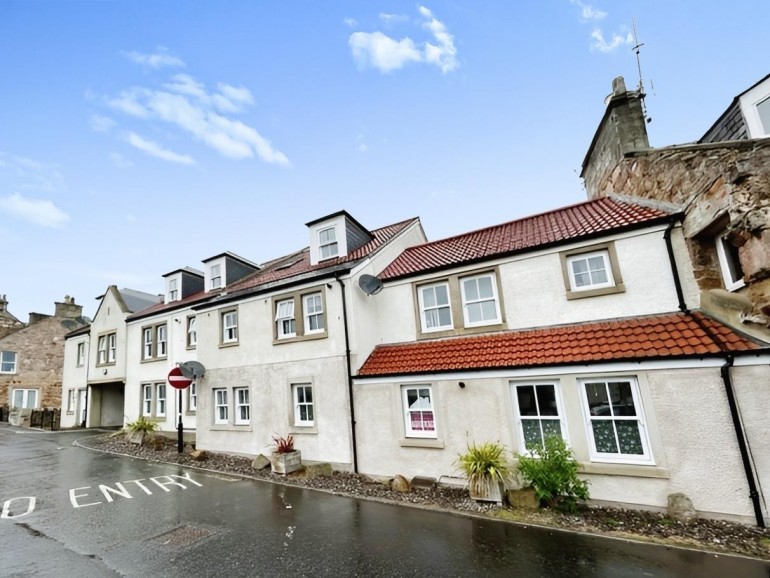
729,263
755,107
590,271
154,342
435,310
314,313
7,362
81,357
216,276
106,349
616,425
230,327
284,319
539,413
479,295
327,243
192,333
763,110
419,419
173,291
302,393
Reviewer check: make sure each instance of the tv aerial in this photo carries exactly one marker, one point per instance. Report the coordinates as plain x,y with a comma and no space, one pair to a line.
637,49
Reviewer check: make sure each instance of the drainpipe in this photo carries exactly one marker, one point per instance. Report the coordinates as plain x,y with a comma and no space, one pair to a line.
740,435
674,268
88,366
350,377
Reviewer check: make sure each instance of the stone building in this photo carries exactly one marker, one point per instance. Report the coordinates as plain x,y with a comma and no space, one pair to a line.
8,323
32,358
722,182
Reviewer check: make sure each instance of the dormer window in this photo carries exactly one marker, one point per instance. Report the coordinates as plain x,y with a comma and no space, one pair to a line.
327,243
729,263
763,109
216,276
755,106
173,290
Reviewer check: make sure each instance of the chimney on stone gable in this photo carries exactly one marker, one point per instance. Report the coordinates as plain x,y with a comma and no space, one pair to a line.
68,309
623,130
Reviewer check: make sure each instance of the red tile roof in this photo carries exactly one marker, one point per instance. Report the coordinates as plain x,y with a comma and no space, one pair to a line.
659,337
558,226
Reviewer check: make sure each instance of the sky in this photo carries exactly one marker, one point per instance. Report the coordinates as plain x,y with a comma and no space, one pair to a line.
137,138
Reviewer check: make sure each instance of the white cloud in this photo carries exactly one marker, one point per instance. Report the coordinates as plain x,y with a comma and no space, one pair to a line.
120,161
101,123
391,18
386,54
602,45
160,59
33,175
350,22
588,12
37,211
157,151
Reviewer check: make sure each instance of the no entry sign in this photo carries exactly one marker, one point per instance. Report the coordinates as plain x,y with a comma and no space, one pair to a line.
177,380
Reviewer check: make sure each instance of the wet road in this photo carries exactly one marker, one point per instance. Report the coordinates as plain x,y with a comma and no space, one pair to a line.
99,515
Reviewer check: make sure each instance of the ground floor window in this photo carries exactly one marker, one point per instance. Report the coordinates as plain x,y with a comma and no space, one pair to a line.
419,419
24,398
154,402
616,426
192,396
70,401
302,394
242,407
539,410
221,413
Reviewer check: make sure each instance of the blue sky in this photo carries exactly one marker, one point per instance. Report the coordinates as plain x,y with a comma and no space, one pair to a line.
138,138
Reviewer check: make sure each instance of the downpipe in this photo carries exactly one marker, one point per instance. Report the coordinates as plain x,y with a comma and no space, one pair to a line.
350,377
674,268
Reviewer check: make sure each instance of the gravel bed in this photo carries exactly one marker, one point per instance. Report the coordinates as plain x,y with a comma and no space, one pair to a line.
712,535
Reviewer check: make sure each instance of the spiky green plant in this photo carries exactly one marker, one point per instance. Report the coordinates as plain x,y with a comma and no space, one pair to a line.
142,424
484,464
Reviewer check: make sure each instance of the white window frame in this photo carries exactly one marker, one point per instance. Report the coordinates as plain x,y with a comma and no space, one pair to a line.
221,409
424,309
409,430
160,399
81,354
560,417
241,399
573,259
729,264
112,339
192,332
8,361
161,340
285,319
230,326
147,343
645,458
147,399
101,350
216,276
494,298
173,292
313,310
25,395
192,397
328,247
70,401
749,103
299,394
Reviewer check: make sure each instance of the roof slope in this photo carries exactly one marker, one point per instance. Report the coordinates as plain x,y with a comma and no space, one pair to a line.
656,337
562,225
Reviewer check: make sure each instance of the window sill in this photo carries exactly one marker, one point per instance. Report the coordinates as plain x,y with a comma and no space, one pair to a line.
303,429
458,331
228,344
631,470
296,338
431,443
151,359
230,427
618,288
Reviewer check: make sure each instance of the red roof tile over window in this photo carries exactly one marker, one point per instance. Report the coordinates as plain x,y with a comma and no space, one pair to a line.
666,336
561,225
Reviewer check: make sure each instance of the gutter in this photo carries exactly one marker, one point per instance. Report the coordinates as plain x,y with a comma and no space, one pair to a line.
350,377
741,437
674,268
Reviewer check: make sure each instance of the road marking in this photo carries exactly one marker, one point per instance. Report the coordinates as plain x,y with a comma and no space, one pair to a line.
7,513
119,489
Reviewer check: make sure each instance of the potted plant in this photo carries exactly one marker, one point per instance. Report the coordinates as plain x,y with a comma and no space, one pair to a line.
285,459
487,471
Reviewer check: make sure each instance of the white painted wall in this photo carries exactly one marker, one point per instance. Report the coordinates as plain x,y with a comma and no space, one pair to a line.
73,378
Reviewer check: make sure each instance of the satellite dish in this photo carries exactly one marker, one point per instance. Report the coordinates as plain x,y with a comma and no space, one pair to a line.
192,369
369,284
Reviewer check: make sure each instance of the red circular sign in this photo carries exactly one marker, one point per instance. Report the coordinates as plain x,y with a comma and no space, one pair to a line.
177,380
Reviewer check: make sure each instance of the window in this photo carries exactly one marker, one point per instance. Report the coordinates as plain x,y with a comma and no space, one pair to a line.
70,401
192,397
479,296
616,427
284,319
192,333
216,276
242,408
327,243
314,313
24,398
220,406
81,359
173,292
229,327
435,311
154,342
763,109
303,405
160,399
105,349
7,362
590,271
419,420
147,399
729,263
539,411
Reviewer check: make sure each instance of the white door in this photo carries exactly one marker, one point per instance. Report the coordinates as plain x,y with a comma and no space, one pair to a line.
81,406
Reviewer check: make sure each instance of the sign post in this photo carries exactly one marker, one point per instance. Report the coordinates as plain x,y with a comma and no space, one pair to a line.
178,381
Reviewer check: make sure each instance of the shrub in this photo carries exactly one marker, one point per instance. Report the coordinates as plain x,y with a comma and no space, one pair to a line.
284,445
552,471
142,424
482,464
